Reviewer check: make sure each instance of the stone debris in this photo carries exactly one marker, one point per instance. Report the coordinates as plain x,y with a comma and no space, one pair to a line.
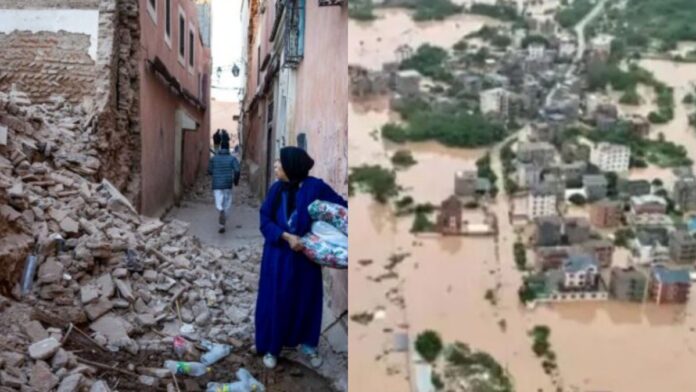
44,349
133,280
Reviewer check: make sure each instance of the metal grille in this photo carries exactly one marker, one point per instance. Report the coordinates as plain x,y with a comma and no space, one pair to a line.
294,33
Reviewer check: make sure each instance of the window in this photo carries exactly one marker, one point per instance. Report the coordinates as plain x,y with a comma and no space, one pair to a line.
152,10
191,46
168,22
182,37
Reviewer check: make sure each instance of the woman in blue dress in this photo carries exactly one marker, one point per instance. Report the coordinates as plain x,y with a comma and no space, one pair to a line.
289,303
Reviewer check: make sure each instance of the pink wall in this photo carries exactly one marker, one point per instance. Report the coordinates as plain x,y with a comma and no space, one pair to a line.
158,106
322,107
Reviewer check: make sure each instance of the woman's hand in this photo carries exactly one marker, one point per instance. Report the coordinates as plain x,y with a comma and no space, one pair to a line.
294,241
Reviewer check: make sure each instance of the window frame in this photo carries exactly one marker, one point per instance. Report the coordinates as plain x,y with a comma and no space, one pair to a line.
181,41
191,55
168,21
152,10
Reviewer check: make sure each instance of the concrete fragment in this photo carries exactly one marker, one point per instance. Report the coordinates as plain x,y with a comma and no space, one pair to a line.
114,328
44,349
42,379
60,359
50,271
150,275
150,227
125,289
120,273
3,135
70,383
147,380
146,320
100,386
69,225
13,359
35,331
12,380
88,293
106,286
97,309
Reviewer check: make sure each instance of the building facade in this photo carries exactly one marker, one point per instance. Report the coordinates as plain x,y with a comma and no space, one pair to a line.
496,101
542,201
669,285
606,213
611,157
628,284
682,247
174,101
684,193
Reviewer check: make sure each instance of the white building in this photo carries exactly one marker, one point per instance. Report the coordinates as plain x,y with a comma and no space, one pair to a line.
542,201
566,48
650,247
602,43
611,157
536,51
580,271
495,100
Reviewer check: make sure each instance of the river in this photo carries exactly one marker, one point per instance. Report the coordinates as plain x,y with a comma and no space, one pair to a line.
602,346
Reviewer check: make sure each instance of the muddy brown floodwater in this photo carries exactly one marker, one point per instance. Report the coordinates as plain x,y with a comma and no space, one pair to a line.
608,346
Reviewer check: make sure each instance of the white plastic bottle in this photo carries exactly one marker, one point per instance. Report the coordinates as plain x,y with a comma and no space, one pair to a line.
194,369
215,352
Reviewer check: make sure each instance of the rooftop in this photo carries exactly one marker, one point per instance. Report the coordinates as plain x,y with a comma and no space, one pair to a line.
648,199
594,180
579,262
670,276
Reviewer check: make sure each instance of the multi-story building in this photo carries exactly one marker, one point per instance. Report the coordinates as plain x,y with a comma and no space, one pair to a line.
682,247
611,157
595,186
465,183
407,82
528,174
536,51
573,171
639,125
669,285
495,101
296,93
606,213
551,257
648,204
650,246
566,48
449,220
542,201
628,188
684,193
540,153
576,230
602,250
580,271
628,284
548,230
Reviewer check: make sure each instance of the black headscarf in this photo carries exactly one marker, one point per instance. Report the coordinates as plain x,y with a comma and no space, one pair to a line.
296,164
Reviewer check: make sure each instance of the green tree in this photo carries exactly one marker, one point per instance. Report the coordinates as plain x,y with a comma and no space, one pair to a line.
379,182
429,345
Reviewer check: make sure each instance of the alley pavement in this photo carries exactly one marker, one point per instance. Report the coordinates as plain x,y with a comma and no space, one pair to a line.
198,209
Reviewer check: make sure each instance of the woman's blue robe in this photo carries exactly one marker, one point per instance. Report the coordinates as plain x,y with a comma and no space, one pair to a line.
289,303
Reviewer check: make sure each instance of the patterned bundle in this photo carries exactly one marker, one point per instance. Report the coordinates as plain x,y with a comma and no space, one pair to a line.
321,245
331,213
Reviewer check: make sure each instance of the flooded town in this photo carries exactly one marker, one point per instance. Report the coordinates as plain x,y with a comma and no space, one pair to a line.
522,195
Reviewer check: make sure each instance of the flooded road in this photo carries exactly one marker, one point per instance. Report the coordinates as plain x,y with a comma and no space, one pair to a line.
600,346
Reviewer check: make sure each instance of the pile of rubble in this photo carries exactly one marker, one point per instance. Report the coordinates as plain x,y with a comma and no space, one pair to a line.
106,277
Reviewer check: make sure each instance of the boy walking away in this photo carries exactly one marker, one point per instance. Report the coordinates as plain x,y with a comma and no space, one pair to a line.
225,170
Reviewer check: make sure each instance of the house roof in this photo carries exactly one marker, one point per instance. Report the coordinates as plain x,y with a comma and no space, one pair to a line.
648,199
579,262
652,237
594,180
670,276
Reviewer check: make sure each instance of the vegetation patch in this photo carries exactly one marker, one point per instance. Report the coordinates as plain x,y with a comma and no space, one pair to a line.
572,14
403,158
622,237
435,10
484,170
374,179
479,369
362,10
429,60
421,223
429,345
503,12
542,347
520,255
